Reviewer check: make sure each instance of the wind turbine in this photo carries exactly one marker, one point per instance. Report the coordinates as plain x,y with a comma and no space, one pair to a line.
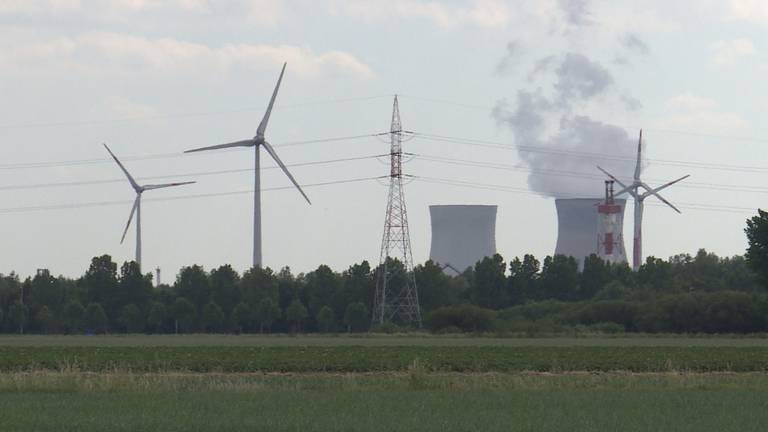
137,203
640,191
256,142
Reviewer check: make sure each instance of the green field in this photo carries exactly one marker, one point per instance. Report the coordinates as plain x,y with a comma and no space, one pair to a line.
211,353
384,402
382,383
379,340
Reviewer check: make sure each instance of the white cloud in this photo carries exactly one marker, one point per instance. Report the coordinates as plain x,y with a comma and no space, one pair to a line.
728,52
480,13
122,108
268,12
98,52
689,102
641,18
38,6
749,10
690,112
193,5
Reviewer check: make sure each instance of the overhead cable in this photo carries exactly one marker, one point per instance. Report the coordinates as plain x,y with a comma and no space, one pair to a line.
503,188
189,174
27,165
587,155
27,209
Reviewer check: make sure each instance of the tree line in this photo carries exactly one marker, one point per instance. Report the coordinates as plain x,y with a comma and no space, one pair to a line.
685,293
492,295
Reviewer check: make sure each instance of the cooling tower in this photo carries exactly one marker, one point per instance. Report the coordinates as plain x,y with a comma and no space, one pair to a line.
578,232
462,235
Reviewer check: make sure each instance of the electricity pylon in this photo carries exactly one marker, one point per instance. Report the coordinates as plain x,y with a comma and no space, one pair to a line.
396,297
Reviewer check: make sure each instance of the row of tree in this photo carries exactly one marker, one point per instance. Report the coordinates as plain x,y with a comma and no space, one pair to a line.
105,299
261,300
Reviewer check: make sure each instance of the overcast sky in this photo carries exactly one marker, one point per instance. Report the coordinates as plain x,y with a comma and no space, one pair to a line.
575,78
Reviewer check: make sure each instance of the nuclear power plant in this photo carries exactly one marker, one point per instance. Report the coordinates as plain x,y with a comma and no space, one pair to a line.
462,235
580,232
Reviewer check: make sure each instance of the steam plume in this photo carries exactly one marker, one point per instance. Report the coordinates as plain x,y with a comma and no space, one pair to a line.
560,147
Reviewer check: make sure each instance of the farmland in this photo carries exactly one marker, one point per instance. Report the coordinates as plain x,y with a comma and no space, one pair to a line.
383,401
208,382
410,339
300,359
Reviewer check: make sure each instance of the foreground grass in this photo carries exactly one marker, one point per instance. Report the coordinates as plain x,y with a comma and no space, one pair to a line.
413,400
412,339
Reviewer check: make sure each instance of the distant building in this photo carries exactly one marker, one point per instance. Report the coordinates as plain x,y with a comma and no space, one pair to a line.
462,235
580,231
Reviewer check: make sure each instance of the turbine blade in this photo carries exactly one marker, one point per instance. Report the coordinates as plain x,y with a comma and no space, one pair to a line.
272,153
614,179
657,195
135,185
628,189
263,125
665,185
655,192
167,185
244,143
639,156
130,218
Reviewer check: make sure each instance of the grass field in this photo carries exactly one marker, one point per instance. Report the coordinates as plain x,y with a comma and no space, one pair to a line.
299,359
379,340
379,353
382,383
383,402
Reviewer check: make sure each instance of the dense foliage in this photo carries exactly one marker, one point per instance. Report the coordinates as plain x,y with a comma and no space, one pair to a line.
701,293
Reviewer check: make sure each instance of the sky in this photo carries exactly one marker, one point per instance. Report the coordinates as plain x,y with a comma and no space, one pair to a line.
511,103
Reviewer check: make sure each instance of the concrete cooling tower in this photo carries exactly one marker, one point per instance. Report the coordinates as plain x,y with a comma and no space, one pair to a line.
579,229
462,235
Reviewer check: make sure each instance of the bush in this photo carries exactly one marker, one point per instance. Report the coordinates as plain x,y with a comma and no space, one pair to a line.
613,290
95,318
386,328
550,309
356,317
607,328
326,322
467,318
614,311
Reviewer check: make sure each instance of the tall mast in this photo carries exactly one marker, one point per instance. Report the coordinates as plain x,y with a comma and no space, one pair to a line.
396,296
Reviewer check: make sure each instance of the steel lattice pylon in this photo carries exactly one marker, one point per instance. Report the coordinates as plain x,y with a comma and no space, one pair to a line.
396,297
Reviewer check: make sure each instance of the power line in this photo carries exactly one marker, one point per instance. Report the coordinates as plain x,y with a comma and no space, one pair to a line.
503,188
426,158
426,136
586,155
75,162
576,174
488,108
192,174
485,108
27,209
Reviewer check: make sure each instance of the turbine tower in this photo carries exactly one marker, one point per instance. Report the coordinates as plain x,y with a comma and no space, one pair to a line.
396,295
256,142
137,203
640,191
